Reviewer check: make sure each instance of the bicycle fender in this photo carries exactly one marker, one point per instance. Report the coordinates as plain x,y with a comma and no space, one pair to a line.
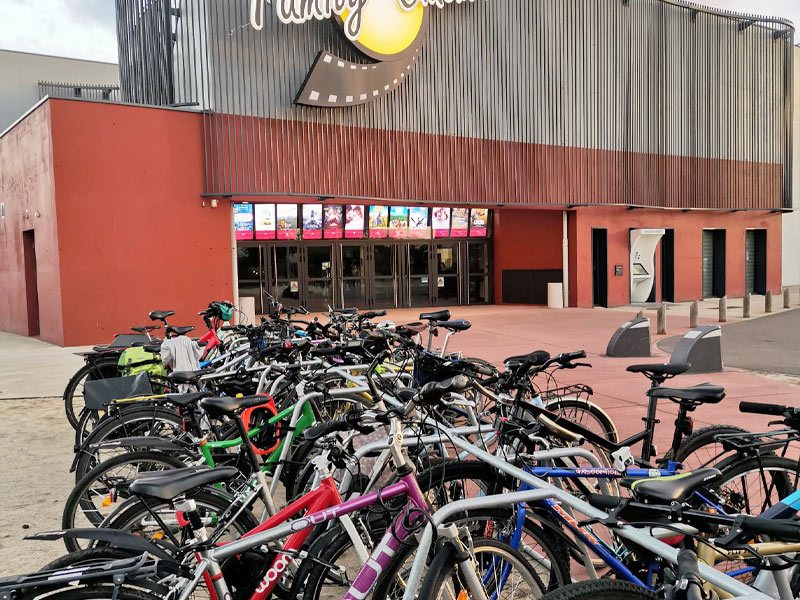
119,539
143,442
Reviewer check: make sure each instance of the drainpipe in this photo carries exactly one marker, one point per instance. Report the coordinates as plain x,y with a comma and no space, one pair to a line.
565,258
234,262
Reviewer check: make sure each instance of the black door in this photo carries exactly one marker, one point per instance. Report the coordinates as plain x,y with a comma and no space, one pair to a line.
251,269
755,262
478,290
31,280
713,263
600,267
668,266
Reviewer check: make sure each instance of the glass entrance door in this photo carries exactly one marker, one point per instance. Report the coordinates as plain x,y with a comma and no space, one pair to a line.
285,274
448,278
478,266
384,276
319,277
353,276
417,274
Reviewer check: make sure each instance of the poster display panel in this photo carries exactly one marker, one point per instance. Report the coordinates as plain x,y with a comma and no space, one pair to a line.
378,222
312,222
418,223
265,221
398,222
354,221
287,221
333,222
459,225
478,222
243,221
441,221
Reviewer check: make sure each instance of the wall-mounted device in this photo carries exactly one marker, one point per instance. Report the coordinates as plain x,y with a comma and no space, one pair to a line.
643,253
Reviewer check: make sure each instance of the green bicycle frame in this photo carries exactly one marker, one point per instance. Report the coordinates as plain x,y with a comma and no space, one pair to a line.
306,420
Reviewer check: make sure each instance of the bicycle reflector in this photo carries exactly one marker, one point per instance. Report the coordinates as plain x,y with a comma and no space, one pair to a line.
268,436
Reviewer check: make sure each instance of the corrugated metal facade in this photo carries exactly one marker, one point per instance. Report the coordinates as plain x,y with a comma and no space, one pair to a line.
545,102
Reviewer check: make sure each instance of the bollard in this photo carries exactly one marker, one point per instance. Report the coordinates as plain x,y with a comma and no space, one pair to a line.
694,310
786,298
768,302
661,319
723,309
746,306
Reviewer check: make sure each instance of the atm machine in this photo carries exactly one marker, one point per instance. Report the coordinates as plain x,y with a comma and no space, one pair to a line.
643,261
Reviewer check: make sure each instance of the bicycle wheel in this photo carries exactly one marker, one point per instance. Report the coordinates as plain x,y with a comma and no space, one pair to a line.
73,393
602,589
542,542
586,414
102,489
134,421
752,485
134,518
504,572
700,449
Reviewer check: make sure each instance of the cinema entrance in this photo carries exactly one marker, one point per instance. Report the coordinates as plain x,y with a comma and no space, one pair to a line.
369,273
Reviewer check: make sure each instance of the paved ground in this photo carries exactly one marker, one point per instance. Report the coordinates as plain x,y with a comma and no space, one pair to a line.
36,442
770,344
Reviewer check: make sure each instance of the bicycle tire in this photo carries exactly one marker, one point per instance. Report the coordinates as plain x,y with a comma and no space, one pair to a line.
126,423
782,482
570,407
443,570
133,511
104,367
602,589
701,443
80,498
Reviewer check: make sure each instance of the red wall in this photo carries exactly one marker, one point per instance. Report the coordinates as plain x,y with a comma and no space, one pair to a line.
27,188
688,228
525,239
133,236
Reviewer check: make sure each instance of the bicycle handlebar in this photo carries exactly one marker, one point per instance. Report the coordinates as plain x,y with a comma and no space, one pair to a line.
689,571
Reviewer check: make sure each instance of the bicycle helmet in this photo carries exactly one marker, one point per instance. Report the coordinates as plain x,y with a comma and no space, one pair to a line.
224,310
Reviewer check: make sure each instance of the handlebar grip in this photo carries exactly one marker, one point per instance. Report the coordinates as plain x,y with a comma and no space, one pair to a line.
317,431
568,356
761,408
687,564
785,529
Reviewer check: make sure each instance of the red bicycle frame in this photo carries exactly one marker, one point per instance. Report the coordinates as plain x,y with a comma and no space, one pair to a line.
318,499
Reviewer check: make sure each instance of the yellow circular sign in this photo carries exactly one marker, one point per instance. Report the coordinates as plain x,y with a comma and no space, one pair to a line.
387,29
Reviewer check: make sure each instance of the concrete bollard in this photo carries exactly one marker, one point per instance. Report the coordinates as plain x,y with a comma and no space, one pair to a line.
723,309
746,306
661,320
786,298
694,311
768,302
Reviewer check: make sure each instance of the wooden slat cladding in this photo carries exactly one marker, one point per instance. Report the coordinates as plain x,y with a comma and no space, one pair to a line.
527,102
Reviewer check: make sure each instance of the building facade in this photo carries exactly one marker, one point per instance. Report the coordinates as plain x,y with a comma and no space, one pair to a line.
633,150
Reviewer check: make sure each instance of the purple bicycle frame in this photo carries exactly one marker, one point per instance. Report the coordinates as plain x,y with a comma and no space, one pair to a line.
376,563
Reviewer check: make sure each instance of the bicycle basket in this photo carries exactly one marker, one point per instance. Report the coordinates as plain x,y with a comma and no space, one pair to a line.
268,438
429,367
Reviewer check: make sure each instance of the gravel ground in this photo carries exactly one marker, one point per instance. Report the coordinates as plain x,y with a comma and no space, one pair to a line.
36,445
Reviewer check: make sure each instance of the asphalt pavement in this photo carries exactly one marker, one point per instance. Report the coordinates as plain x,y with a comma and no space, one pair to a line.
770,344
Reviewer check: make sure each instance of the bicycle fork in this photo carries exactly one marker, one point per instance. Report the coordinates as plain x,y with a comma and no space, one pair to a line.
465,561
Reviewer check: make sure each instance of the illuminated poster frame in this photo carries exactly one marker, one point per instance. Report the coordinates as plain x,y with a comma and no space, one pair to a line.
378,222
286,221
264,221
459,222
312,222
243,221
418,227
354,221
333,221
478,222
440,221
398,222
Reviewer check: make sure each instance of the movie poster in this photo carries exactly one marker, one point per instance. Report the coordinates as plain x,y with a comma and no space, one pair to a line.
478,222
312,222
243,221
441,221
459,225
418,223
398,222
265,221
378,221
333,222
354,221
287,221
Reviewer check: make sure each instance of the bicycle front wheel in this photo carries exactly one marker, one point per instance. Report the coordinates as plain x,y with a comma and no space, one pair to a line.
503,572
602,589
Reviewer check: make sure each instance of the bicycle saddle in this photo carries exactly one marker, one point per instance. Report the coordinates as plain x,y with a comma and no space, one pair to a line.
219,406
457,325
659,372
432,392
188,376
179,330
172,483
705,393
439,315
146,328
160,315
672,488
186,399
537,358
